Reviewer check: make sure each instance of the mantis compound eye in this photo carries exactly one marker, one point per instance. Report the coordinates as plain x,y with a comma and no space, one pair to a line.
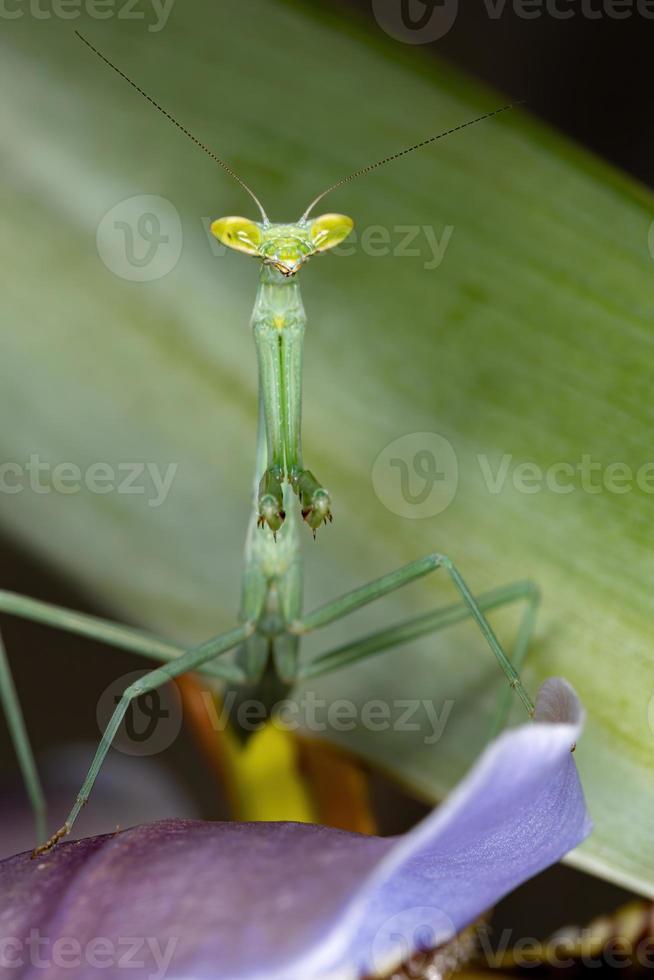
240,234
329,230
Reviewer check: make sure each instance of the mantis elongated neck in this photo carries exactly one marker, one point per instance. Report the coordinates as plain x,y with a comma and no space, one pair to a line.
278,298
278,315
278,323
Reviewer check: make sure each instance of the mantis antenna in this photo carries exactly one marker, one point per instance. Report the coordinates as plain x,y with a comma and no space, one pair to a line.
345,180
401,153
182,129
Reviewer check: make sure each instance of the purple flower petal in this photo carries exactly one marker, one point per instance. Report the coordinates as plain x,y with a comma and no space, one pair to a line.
284,901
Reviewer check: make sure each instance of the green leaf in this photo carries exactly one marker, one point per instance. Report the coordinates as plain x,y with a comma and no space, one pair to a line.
531,342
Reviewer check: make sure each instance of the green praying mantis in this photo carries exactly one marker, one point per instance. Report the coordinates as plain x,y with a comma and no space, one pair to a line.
271,622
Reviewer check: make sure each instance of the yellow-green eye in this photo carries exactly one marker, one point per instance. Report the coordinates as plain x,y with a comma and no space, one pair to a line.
238,233
330,230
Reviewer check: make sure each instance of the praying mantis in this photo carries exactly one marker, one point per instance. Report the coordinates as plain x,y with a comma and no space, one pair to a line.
271,621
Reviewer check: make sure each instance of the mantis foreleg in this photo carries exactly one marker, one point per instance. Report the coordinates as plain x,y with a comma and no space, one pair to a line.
315,502
271,495
291,342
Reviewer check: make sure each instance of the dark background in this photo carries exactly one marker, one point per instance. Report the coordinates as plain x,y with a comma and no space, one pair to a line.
591,79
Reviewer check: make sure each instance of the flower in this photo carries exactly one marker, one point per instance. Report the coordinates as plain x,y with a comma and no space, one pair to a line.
283,901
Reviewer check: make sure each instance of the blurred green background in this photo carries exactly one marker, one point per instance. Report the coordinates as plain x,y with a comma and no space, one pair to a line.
530,342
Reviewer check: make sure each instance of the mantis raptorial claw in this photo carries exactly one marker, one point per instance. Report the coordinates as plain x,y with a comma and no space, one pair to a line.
271,501
314,499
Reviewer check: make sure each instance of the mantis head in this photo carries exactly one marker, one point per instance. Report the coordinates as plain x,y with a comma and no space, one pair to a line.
285,247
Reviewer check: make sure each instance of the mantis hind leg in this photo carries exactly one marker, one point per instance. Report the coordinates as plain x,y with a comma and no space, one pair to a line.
429,623
315,501
102,630
468,607
192,660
